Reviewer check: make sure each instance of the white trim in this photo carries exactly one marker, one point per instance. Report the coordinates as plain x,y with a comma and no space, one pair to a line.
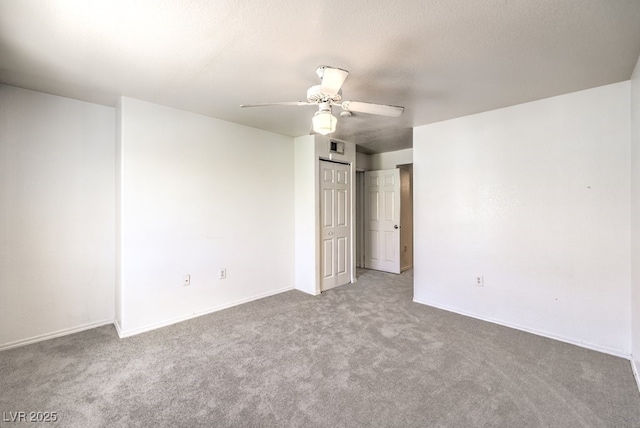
316,293
53,335
636,372
149,327
116,324
603,349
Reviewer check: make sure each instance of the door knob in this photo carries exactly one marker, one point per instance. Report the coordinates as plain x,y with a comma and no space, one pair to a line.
396,227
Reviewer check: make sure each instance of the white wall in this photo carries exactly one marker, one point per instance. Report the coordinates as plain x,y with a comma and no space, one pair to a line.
199,194
390,160
535,198
306,218
118,216
363,162
635,219
387,160
57,216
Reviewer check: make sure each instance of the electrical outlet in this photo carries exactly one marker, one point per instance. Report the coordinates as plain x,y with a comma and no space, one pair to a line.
222,274
480,281
186,280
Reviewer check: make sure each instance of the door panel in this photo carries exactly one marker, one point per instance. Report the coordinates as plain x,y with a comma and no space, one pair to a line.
374,248
389,249
341,210
343,177
382,220
342,255
389,205
327,271
335,224
328,211
328,175
374,205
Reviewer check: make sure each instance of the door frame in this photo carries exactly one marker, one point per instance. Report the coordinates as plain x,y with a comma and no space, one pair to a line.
406,220
352,237
359,219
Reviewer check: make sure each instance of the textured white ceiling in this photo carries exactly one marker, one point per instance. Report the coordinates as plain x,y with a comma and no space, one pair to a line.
438,58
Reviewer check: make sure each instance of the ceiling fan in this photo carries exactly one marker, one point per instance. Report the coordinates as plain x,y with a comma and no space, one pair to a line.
329,94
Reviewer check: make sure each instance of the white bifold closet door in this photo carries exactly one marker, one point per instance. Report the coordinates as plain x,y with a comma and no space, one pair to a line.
335,224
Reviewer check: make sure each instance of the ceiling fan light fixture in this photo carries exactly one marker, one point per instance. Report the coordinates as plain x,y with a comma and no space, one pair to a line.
324,122
328,94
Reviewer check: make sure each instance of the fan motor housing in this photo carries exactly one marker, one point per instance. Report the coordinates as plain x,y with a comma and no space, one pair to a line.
315,95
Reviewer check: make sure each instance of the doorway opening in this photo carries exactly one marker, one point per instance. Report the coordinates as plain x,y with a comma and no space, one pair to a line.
384,219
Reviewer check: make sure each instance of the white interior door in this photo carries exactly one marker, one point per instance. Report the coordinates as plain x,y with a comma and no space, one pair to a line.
382,220
335,224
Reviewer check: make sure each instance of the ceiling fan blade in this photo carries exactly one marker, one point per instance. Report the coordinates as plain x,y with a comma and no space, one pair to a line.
381,109
290,103
332,80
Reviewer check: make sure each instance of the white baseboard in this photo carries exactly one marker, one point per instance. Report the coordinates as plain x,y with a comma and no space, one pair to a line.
636,372
128,333
116,324
52,335
315,293
603,349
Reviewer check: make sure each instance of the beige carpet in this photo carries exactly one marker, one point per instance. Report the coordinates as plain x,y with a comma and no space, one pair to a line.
358,355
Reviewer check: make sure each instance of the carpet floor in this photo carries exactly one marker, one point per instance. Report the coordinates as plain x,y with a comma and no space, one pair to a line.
358,355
